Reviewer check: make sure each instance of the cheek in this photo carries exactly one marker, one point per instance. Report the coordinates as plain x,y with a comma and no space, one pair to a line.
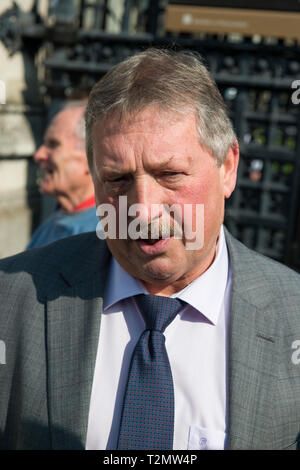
206,193
63,171
197,193
102,198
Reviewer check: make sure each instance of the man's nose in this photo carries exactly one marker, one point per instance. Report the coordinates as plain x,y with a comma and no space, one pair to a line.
41,154
144,192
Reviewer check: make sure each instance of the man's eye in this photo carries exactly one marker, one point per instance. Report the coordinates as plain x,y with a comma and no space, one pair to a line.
121,179
118,180
52,144
170,174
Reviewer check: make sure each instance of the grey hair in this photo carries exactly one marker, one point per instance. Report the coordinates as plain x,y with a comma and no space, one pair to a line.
79,129
175,81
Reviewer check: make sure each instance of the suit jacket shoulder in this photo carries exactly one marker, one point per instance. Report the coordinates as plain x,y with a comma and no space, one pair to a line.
48,312
74,258
264,352
264,282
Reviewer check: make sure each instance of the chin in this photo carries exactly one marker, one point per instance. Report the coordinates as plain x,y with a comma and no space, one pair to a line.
43,190
159,273
46,191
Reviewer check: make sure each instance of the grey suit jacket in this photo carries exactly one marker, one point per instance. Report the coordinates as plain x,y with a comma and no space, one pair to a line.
50,313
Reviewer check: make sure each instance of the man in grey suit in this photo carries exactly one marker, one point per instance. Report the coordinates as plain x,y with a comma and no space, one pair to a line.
158,137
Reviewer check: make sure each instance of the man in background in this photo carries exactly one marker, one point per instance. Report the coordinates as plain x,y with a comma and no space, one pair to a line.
64,174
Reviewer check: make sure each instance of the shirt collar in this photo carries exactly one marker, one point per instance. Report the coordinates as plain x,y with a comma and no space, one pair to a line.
90,202
120,285
205,293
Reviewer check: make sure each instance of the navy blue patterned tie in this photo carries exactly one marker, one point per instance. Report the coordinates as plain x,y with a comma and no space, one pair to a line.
147,420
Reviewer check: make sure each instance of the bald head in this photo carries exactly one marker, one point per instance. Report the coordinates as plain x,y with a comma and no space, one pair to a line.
62,158
78,108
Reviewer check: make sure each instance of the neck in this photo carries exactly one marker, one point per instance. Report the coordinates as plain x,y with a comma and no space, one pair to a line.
69,203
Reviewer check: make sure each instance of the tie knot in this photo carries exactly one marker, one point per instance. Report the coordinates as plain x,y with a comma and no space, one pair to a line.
158,312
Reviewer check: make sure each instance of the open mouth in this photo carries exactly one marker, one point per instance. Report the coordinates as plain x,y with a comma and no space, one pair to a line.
150,241
149,237
47,171
153,246
42,172
44,175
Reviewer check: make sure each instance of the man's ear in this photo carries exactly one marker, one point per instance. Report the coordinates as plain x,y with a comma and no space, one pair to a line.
230,166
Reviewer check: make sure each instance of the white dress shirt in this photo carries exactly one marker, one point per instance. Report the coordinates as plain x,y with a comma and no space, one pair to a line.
197,346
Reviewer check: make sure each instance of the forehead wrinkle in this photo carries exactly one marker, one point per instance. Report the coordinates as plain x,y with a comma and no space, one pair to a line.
122,144
122,148
160,162
114,158
132,158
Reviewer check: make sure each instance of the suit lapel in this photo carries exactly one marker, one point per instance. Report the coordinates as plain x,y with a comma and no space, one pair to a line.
251,349
250,378
73,322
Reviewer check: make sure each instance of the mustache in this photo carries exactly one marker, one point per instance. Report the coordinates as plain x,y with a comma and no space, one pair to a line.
164,227
41,172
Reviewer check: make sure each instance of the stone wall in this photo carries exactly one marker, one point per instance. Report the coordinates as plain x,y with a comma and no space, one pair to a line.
21,128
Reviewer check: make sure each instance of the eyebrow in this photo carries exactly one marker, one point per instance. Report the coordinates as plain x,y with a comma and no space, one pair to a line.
51,142
168,162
